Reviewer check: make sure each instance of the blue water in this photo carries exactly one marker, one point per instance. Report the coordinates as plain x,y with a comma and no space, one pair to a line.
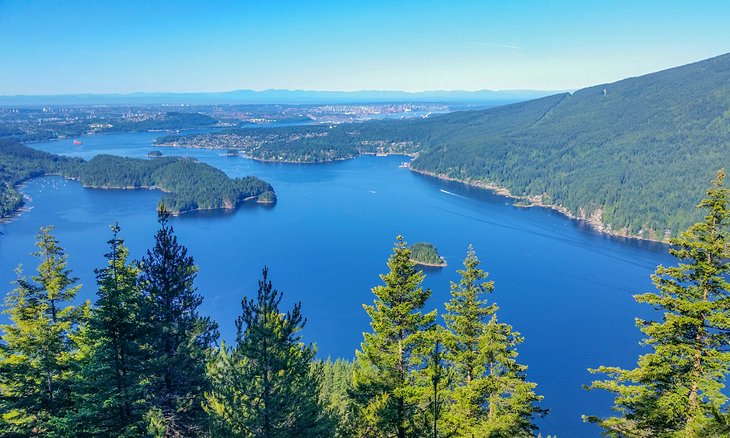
566,288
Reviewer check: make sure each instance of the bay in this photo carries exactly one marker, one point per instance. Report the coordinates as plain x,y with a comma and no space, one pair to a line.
566,288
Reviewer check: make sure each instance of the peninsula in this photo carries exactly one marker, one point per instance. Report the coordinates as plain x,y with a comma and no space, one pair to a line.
187,184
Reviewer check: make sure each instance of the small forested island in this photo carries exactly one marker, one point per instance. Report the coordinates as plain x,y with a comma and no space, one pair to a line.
154,154
188,184
424,253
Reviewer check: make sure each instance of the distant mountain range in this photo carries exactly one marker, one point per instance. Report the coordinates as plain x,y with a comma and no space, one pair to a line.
275,97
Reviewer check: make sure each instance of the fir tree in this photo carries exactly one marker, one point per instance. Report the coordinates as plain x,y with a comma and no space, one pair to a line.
335,394
264,386
111,385
40,345
491,397
384,380
434,382
179,338
677,388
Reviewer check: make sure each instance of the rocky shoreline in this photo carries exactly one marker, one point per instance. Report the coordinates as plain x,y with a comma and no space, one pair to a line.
593,221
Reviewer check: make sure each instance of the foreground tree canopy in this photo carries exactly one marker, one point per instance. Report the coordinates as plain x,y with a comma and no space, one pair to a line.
677,388
142,361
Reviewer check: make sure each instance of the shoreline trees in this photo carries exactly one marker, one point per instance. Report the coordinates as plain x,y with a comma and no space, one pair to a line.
143,361
677,388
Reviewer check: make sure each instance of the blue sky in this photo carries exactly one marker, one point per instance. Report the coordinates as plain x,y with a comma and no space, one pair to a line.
55,47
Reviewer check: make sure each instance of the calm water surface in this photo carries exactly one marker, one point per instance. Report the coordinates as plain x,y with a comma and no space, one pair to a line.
566,288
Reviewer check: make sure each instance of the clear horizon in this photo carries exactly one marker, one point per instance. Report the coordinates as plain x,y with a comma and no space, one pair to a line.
83,47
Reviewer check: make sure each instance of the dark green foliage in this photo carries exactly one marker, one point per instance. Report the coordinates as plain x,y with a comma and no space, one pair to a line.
490,396
111,388
434,382
387,399
143,362
19,163
39,346
268,197
265,386
179,337
426,254
303,144
632,158
335,394
189,184
678,388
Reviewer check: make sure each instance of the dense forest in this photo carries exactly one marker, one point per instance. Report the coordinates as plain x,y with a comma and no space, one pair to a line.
188,184
19,163
424,253
628,156
141,361
296,144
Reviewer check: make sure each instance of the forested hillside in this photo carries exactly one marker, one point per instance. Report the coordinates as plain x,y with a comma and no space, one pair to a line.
19,163
633,155
630,156
188,184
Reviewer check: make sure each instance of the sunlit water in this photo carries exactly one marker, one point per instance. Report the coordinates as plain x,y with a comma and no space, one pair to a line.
566,288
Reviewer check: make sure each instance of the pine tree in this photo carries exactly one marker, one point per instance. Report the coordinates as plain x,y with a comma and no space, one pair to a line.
264,386
677,388
491,397
384,380
179,338
39,345
111,388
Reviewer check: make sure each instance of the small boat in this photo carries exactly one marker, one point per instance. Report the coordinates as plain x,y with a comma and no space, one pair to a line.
77,142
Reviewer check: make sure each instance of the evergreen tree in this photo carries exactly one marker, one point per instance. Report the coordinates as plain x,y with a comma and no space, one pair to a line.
335,394
384,385
677,389
179,338
491,397
111,386
434,382
264,387
40,345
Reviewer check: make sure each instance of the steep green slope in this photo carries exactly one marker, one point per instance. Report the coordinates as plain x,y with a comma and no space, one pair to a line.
632,157
635,157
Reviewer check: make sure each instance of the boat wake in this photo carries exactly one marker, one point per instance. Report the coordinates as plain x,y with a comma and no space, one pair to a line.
453,194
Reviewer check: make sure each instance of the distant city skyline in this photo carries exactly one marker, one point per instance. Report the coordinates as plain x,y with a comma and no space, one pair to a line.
75,47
